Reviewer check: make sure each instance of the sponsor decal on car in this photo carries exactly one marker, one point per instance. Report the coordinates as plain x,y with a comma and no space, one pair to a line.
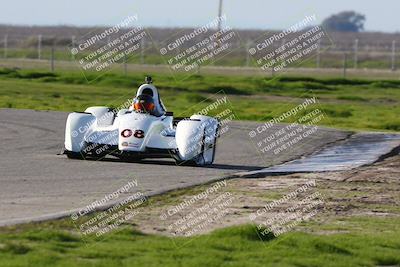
129,144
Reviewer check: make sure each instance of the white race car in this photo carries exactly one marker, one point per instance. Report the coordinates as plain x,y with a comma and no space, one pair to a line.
145,130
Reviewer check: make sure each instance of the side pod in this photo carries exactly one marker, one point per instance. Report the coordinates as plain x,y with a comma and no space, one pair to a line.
76,127
196,138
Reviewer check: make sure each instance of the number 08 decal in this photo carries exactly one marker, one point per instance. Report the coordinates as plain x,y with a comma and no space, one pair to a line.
139,134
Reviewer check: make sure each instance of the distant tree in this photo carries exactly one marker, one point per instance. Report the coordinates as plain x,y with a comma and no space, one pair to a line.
346,21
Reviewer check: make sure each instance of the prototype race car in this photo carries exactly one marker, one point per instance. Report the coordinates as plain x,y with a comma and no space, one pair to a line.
145,130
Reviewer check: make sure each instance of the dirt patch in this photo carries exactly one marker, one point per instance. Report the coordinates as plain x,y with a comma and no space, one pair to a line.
367,191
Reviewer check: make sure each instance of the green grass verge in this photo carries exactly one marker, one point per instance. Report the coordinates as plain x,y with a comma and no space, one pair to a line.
56,243
350,104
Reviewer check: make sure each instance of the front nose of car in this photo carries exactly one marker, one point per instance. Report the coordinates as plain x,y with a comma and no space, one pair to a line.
133,133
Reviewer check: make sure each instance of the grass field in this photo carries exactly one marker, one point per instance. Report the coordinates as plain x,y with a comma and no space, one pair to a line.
337,237
348,103
353,242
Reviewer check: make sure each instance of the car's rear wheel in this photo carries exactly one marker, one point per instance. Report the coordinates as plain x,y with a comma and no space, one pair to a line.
201,159
186,163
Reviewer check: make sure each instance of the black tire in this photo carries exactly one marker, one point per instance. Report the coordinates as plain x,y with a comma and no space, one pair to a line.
214,149
73,155
190,163
215,144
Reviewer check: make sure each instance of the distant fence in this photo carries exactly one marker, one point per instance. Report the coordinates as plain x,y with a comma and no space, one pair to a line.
350,54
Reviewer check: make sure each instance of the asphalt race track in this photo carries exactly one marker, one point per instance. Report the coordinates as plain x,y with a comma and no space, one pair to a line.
37,183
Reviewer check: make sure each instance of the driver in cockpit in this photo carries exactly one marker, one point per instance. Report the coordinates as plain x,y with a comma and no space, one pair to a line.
148,101
144,104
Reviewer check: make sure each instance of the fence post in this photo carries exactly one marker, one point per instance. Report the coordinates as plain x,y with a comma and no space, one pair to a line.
142,46
272,67
393,55
52,58
5,45
318,59
39,46
73,46
344,65
356,53
125,65
248,44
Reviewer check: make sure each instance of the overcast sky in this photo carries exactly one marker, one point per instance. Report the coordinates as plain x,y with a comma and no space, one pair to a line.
258,14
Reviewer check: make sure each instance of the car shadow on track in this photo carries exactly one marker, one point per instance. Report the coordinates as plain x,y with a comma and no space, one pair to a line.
166,162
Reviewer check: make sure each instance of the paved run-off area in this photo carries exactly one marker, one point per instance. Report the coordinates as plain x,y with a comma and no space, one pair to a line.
358,150
37,183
